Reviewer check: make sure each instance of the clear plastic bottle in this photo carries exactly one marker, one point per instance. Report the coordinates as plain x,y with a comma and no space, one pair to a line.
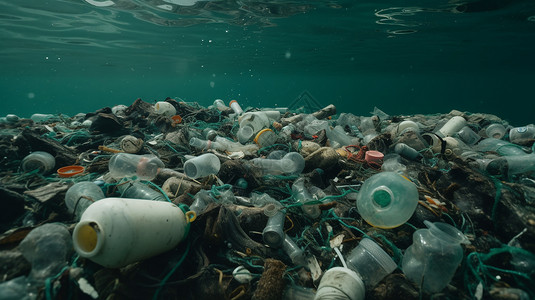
296,254
502,147
452,126
81,195
433,257
138,190
41,160
144,167
302,195
273,233
201,201
511,165
521,135
290,164
387,200
202,165
467,135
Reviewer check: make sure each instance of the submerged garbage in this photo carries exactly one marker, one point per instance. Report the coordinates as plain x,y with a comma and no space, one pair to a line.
179,201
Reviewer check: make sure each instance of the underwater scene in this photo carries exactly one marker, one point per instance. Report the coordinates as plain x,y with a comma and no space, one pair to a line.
404,57
266,150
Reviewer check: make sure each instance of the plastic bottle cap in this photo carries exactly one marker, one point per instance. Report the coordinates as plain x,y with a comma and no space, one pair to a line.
70,171
382,197
232,101
373,156
176,119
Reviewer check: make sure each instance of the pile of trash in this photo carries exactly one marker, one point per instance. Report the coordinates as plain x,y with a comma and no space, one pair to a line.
177,201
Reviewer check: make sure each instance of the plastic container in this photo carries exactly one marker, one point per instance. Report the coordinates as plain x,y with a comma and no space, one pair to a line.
220,105
266,137
202,165
371,262
236,147
41,160
144,167
340,284
209,133
452,126
495,130
41,118
511,165
245,133
236,107
291,164
522,135
468,136
433,257
81,195
501,147
407,152
435,142
286,131
115,232
387,200
164,108
296,254
302,195
256,120
273,233
138,190
47,248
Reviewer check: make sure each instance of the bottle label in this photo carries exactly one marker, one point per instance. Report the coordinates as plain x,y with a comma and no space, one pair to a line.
522,129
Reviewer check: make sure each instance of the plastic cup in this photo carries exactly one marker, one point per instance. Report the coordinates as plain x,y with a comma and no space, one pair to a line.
244,134
201,166
265,137
371,262
340,283
81,195
387,200
41,160
495,130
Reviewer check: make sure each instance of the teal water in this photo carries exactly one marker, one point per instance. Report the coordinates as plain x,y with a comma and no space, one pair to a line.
405,57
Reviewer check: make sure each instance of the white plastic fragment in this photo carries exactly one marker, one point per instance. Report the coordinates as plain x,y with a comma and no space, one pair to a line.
87,288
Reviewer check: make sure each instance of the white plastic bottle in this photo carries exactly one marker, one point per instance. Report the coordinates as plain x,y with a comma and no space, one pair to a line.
115,232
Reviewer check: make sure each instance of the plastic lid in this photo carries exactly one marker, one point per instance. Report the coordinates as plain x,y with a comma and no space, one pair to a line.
373,156
265,137
176,119
382,258
446,232
232,101
70,171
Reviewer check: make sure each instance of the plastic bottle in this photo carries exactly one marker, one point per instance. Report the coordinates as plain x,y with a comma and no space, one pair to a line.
387,200
46,248
41,160
206,144
202,165
245,133
302,195
164,108
407,125
291,164
41,118
522,135
265,137
138,190
452,126
433,258
236,107
501,147
340,284
144,167
115,232
201,201
511,165
296,254
371,262
495,130
273,233
80,196
286,131
220,105
407,152
209,133
236,147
